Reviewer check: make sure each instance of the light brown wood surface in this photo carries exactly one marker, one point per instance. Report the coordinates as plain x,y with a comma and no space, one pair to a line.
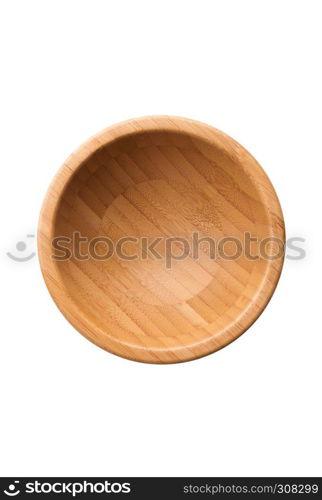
160,177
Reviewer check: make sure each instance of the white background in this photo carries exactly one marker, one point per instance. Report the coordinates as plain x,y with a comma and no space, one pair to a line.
71,68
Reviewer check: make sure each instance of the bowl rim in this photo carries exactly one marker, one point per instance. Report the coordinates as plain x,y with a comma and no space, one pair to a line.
64,301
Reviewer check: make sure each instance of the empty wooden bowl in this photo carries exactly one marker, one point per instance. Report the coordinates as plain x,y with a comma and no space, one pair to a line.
161,239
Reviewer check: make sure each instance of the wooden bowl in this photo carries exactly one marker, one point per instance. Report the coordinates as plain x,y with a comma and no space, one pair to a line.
132,192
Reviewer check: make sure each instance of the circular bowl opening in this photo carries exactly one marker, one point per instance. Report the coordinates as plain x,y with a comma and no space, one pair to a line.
161,239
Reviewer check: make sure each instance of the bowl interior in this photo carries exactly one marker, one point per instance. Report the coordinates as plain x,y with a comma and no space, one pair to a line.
146,235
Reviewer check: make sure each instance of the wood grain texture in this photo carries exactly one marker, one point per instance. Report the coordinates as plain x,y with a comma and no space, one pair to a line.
160,177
